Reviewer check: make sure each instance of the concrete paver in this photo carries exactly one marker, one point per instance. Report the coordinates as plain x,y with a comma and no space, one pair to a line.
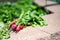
29,33
43,2
54,8
53,21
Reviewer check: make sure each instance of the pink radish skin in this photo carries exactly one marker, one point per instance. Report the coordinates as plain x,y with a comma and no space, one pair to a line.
13,26
19,28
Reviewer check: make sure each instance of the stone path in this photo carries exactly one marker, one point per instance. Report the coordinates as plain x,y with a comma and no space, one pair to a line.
50,32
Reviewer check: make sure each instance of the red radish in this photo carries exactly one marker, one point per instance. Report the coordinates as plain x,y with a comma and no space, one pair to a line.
19,28
13,26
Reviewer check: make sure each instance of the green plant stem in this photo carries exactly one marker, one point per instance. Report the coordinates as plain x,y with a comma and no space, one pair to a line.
21,15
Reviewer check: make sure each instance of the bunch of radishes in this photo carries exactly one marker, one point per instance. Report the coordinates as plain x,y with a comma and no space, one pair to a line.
16,27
